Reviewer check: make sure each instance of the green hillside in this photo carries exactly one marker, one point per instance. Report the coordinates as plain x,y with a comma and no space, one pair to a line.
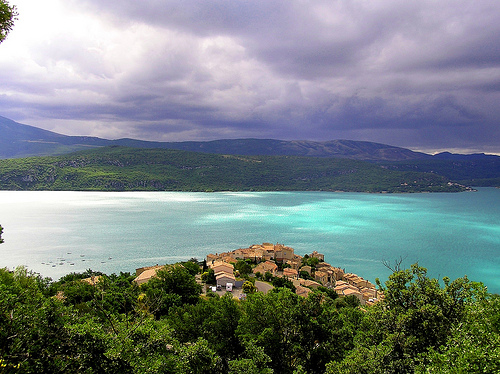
131,169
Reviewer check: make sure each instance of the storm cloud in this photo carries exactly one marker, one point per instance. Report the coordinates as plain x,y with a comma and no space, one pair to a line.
423,75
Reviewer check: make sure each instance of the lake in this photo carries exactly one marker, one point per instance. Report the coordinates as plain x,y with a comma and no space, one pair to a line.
451,234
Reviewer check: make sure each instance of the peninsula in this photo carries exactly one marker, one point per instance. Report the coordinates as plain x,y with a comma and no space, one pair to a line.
276,264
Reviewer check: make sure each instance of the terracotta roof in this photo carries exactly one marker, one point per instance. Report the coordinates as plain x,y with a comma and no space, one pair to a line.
147,275
224,274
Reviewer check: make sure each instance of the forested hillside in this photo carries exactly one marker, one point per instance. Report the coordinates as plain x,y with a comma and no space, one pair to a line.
471,170
129,169
108,324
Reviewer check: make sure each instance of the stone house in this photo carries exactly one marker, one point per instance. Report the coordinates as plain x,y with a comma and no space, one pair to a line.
322,277
283,253
306,268
354,292
317,255
146,273
219,266
211,258
309,283
290,273
265,267
222,278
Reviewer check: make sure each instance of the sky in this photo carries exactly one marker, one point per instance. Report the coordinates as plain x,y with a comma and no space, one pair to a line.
424,74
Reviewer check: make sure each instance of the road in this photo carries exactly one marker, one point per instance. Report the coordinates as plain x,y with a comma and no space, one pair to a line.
263,286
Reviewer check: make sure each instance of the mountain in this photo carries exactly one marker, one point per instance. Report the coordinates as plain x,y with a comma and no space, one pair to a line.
462,157
18,140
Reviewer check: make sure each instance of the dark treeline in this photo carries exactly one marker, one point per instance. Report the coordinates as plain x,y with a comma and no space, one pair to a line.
111,325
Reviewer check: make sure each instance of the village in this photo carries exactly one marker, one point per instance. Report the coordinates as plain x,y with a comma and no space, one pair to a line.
269,261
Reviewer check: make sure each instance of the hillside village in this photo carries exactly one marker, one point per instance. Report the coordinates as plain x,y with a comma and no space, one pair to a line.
269,261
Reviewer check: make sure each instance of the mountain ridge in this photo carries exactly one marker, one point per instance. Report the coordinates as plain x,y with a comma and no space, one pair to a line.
20,140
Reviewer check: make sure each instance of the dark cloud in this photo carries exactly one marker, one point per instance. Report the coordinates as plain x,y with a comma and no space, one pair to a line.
420,74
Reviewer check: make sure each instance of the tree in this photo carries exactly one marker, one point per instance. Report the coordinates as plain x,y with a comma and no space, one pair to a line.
416,315
192,266
311,261
8,14
38,333
305,275
330,292
256,362
215,319
208,277
271,321
243,267
281,282
172,286
474,344
197,358
248,287
1,231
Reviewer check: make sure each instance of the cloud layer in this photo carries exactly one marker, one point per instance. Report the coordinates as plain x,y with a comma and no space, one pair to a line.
424,75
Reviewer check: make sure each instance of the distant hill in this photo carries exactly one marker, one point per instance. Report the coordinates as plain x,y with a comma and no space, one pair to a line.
18,140
132,169
356,150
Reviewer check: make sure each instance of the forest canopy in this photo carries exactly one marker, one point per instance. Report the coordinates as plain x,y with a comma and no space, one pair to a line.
111,325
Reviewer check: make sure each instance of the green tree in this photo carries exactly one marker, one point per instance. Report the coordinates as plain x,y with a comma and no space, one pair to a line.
474,344
192,266
311,261
8,14
208,277
305,275
255,361
243,267
248,287
417,315
36,334
197,358
280,282
172,286
272,322
215,319
330,292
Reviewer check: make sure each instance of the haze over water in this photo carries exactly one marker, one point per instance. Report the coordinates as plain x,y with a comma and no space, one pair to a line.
55,233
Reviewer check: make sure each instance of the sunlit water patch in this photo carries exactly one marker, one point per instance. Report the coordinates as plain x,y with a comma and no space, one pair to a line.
58,232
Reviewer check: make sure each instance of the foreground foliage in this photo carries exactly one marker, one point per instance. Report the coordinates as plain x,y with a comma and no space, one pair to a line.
8,14
113,326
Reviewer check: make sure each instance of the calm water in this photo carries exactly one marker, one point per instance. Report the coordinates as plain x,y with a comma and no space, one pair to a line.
55,233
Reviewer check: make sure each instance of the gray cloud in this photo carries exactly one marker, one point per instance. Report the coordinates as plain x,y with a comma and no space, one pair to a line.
417,74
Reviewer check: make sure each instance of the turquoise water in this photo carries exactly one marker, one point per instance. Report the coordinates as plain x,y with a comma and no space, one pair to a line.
58,232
